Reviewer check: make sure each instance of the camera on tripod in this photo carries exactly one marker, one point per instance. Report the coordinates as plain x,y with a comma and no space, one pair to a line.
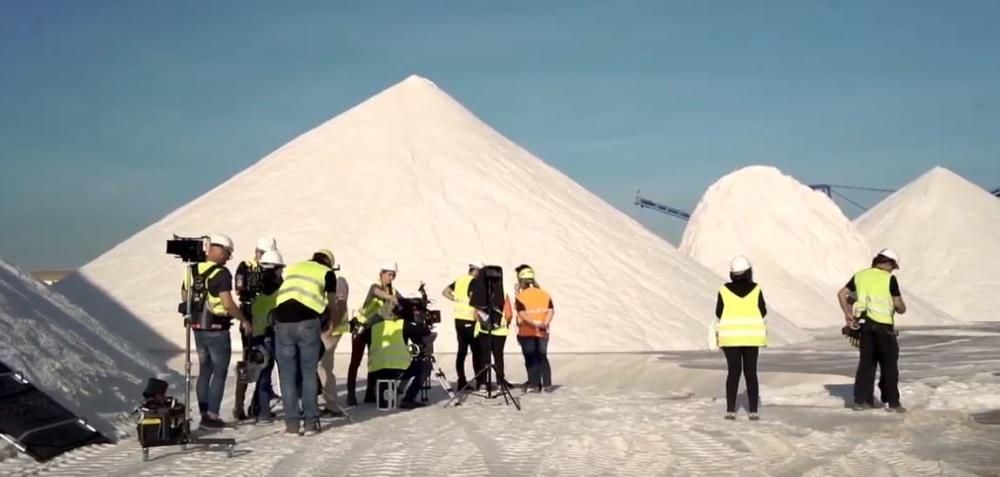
189,249
416,310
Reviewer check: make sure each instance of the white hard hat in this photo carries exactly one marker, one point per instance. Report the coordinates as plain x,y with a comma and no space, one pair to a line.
267,243
272,257
739,264
221,240
890,254
476,264
389,267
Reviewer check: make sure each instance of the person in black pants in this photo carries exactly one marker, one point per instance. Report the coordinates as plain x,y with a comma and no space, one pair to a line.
741,332
878,301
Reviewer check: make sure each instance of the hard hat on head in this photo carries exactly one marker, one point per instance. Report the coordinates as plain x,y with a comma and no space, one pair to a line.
477,264
890,254
266,243
739,264
527,273
221,240
328,255
389,267
272,257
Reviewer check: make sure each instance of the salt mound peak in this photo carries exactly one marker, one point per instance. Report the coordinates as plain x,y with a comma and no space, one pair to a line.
802,246
68,354
410,175
946,229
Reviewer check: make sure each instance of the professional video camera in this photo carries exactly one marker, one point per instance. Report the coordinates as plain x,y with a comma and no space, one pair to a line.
251,283
189,249
416,310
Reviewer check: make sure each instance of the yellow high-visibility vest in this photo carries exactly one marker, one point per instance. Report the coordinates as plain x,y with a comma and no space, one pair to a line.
388,349
463,311
212,302
741,323
305,282
874,295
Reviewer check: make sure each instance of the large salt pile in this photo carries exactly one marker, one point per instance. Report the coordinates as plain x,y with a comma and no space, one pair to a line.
411,176
68,354
947,231
802,246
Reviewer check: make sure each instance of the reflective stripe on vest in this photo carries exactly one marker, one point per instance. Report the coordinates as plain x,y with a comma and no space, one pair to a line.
874,295
462,309
536,303
305,282
388,348
213,302
741,323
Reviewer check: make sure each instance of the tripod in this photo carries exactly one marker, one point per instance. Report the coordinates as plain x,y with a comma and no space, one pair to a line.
438,375
186,438
504,391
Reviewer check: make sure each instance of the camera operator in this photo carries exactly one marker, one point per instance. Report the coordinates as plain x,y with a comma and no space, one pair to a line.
271,265
213,340
465,321
304,296
389,354
379,302
247,273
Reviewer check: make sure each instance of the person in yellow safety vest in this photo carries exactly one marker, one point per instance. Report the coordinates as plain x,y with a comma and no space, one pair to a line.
242,284
212,341
271,265
304,298
378,304
494,342
331,337
878,300
465,321
741,332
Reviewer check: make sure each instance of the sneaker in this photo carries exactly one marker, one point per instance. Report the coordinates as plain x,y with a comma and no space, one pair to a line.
410,404
731,416
266,420
312,429
238,414
754,416
897,408
549,389
291,428
859,406
212,422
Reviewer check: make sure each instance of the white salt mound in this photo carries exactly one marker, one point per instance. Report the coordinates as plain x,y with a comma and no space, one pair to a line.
68,354
802,247
947,231
411,176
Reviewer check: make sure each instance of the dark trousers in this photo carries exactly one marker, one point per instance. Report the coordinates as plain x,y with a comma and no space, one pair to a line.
260,406
358,345
536,360
465,331
878,347
490,344
741,359
241,387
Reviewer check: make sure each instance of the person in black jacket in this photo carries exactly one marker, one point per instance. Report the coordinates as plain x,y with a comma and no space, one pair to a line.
741,358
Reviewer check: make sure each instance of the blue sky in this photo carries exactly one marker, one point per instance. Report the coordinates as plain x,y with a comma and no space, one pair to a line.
99,99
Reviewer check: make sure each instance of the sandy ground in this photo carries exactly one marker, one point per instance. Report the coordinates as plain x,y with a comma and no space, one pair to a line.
650,414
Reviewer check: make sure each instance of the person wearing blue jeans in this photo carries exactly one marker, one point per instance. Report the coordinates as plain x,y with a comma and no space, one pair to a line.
297,351
214,354
536,360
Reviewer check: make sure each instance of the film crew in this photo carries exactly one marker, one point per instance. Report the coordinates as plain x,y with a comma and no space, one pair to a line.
534,317
307,290
271,264
330,338
247,292
465,321
878,300
379,304
741,332
211,334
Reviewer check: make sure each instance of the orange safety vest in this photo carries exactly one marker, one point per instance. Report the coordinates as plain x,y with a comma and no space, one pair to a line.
536,306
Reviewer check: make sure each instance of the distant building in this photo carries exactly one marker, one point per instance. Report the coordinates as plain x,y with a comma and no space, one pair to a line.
50,277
